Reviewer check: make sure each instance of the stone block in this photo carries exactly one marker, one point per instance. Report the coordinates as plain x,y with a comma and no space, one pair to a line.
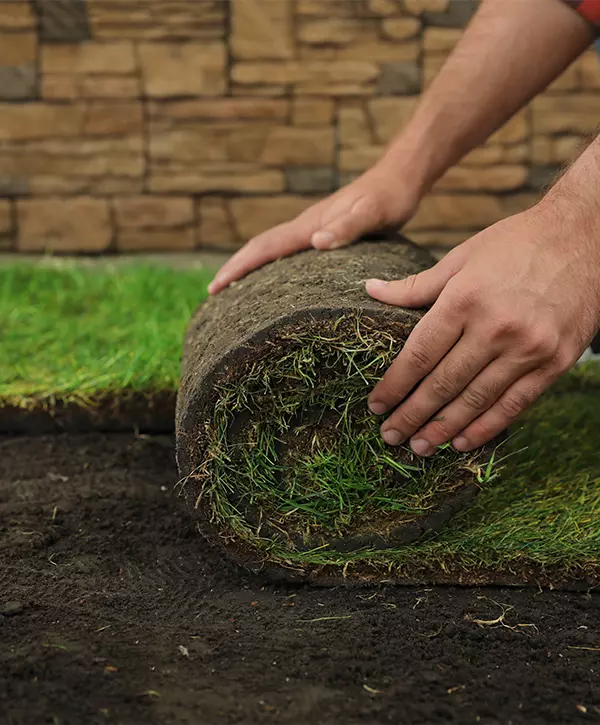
183,69
174,112
114,58
349,77
62,20
329,31
401,28
330,8
385,8
285,145
216,227
80,224
18,83
418,7
399,79
163,240
567,113
109,87
389,115
113,118
214,178
262,29
21,122
148,212
541,178
155,20
310,179
17,48
440,40
457,211
253,215
547,150
16,15
491,178
308,111
589,71
457,14
354,126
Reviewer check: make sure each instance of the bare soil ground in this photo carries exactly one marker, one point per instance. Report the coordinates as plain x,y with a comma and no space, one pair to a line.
114,610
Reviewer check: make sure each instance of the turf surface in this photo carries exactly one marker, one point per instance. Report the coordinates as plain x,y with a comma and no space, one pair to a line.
75,334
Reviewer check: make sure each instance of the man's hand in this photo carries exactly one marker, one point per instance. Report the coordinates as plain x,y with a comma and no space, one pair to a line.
513,308
378,199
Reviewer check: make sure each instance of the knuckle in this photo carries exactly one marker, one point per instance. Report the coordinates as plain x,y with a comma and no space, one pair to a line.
476,398
541,345
443,387
461,297
505,327
407,420
513,404
440,430
370,209
418,357
564,360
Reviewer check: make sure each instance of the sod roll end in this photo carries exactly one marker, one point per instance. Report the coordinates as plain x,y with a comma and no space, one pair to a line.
278,453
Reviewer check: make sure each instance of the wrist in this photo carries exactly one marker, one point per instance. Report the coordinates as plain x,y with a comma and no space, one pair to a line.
409,162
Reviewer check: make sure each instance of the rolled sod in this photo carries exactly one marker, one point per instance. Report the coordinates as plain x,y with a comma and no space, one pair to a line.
278,453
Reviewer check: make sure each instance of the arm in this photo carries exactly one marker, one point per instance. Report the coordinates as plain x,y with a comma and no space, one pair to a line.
513,308
510,52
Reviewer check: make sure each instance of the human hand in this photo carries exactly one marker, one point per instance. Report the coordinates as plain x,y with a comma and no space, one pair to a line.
513,308
378,199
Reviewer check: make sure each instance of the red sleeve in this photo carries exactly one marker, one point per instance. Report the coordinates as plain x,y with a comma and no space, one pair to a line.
589,9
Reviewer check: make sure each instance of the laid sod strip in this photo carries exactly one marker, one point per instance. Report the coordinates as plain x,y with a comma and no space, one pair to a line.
73,335
278,453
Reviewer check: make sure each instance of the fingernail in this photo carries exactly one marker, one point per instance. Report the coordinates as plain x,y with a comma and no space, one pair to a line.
377,408
322,238
422,447
377,283
460,443
391,437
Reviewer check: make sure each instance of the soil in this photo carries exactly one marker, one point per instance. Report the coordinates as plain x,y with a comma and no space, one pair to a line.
115,610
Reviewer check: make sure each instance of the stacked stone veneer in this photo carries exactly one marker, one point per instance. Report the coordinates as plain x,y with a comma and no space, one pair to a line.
132,125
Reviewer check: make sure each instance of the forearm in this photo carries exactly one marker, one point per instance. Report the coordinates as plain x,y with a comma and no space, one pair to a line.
572,206
510,52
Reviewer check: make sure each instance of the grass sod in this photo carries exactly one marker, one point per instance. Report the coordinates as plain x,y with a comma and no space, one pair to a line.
540,513
73,334
77,334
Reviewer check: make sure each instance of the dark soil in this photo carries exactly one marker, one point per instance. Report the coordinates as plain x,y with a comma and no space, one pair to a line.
140,412
116,611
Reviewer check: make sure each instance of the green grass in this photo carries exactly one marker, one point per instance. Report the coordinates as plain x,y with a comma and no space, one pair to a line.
78,334
73,333
309,457
543,511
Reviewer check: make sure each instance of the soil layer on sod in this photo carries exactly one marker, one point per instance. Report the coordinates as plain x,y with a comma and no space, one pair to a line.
114,612
285,468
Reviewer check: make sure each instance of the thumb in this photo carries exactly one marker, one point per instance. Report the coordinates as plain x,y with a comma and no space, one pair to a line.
418,290
363,216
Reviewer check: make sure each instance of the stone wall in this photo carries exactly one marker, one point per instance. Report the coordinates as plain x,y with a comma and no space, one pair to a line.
131,125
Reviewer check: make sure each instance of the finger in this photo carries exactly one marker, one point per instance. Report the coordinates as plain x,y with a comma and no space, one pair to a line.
477,397
364,215
458,368
280,241
431,339
418,290
517,398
